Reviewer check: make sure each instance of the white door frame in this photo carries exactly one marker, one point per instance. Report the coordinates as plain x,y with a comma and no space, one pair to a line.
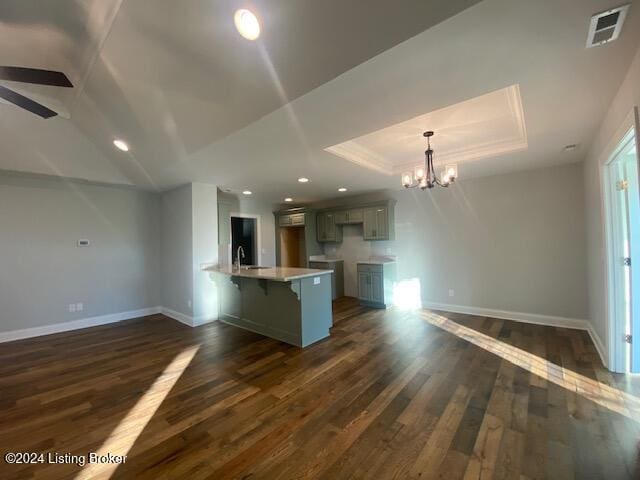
258,234
618,350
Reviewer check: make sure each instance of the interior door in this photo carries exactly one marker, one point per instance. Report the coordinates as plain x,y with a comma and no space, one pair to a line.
633,221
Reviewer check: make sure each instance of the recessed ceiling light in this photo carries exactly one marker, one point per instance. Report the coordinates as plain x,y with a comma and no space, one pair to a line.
303,180
247,192
121,145
247,24
288,199
342,189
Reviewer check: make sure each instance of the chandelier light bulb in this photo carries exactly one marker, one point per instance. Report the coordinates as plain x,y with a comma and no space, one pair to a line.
419,173
406,180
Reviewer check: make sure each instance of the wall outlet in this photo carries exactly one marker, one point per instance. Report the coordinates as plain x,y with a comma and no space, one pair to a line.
316,280
451,292
72,307
79,307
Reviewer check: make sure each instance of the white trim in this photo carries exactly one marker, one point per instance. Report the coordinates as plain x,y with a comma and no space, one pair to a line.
180,317
599,344
76,324
614,356
534,318
257,218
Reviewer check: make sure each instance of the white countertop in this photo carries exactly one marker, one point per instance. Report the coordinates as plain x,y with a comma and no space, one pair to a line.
277,274
377,261
324,259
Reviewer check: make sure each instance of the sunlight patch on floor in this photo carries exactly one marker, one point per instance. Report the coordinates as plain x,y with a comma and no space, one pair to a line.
406,294
130,427
598,392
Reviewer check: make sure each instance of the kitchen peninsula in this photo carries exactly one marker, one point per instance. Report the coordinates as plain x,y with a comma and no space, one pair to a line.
292,305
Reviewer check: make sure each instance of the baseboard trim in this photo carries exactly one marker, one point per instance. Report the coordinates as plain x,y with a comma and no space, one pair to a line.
180,317
547,320
597,341
12,335
534,318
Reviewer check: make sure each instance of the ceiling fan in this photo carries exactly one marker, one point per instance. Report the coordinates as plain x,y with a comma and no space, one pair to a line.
35,76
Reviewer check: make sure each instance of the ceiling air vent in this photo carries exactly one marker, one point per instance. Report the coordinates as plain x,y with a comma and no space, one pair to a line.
605,27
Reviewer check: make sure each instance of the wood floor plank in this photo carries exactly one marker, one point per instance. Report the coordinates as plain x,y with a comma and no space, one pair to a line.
390,395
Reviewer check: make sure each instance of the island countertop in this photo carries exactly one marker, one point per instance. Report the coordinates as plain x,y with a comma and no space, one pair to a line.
277,274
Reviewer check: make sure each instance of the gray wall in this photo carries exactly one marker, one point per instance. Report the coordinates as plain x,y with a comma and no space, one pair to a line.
42,270
627,97
512,242
205,250
177,250
254,206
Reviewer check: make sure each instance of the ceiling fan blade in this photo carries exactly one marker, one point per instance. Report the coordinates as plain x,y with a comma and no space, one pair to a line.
26,103
35,75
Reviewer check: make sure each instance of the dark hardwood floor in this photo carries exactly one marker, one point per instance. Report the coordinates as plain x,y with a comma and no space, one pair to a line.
391,394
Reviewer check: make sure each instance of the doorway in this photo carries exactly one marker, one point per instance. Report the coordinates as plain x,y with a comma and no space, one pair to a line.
622,206
244,233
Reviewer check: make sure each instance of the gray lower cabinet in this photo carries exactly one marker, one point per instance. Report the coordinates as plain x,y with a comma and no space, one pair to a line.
297,312
337,277
375,284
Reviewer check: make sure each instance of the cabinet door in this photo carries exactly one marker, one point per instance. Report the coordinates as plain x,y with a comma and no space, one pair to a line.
355,215
330,227
297,219
341,217
321,227
364,286
284,220
369,220
382,223
377,288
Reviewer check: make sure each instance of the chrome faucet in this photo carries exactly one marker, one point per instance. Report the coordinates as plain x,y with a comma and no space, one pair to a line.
238,252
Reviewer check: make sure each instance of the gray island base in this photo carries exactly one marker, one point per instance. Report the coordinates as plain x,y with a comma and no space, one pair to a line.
292,305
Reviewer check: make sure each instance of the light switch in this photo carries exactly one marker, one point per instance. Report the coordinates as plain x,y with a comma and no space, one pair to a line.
316,280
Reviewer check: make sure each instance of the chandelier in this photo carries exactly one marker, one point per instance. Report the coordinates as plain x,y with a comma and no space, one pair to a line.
425,176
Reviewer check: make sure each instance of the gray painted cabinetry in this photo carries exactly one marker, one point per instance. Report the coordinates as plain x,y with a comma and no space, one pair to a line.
377,221
337,276
375,284
296,311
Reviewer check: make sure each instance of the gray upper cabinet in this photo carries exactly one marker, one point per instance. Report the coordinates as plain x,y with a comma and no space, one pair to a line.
291,220
326,228
342,217
355,215
345,217
377,223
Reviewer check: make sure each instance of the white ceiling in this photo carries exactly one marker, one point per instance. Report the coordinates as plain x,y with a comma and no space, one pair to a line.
482,127
197,102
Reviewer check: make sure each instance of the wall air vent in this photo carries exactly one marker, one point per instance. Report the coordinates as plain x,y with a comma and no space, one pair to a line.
605,27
